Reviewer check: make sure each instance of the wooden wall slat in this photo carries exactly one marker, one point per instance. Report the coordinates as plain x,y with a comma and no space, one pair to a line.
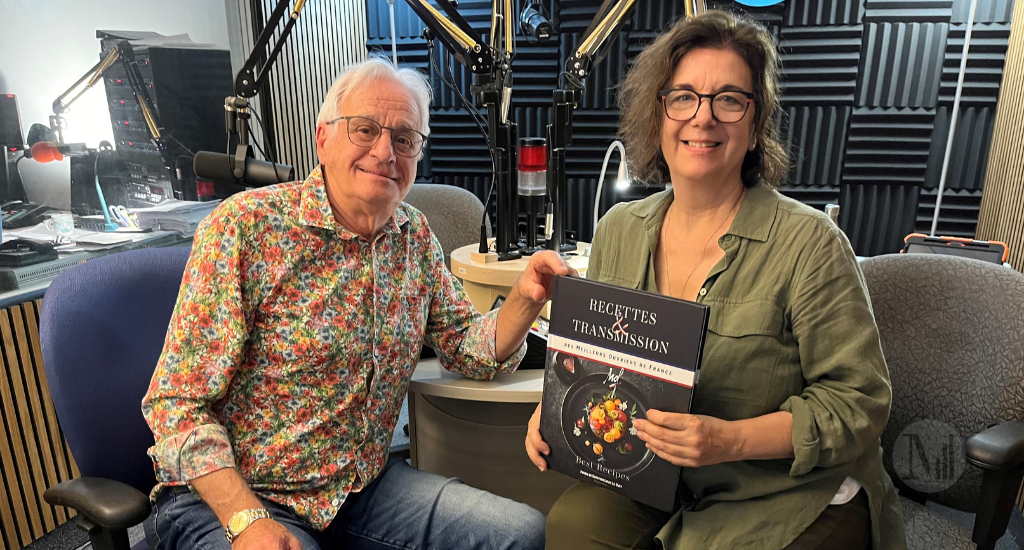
14,409
61,455
35,376
1002,205
33,452
39,451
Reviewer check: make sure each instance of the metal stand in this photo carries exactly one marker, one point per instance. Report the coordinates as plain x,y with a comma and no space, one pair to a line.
559,138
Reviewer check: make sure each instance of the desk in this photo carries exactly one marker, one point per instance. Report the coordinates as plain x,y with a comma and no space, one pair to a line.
33,453
475,430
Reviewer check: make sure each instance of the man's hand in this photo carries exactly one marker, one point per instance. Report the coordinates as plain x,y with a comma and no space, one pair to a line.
535,445
688,440
268,534
532,291
537,282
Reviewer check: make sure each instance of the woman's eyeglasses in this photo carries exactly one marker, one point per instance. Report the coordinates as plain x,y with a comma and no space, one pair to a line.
682,105
366,132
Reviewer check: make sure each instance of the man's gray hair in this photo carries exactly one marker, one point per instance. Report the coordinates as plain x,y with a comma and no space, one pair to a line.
367,72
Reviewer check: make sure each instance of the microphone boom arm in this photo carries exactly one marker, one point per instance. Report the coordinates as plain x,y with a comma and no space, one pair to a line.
455,34
248,82
492,68
125,54
594,43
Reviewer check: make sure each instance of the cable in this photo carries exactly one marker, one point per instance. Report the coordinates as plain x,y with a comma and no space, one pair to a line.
451,85
266,136
257,144
573,79
17,170
476,118
180,144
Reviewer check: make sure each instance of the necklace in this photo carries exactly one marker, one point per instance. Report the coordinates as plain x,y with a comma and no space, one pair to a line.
668,272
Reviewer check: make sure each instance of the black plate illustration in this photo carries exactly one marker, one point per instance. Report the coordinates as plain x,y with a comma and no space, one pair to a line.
625,452
570,374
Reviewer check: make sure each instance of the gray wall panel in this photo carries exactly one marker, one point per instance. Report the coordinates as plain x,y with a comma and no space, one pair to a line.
802,13
901,64
985,61
970,148
876,217
820,64
988,11
815,137
888,146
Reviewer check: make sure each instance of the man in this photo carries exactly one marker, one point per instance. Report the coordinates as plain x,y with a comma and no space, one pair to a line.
301,316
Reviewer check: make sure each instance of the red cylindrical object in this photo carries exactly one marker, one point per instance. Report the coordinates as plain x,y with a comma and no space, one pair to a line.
533,154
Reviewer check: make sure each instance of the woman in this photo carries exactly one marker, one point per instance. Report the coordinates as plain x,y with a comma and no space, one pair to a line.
782,449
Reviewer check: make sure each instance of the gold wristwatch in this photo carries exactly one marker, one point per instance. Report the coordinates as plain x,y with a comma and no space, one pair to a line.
242,520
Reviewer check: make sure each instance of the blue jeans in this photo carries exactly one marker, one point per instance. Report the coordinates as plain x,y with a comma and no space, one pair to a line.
403,508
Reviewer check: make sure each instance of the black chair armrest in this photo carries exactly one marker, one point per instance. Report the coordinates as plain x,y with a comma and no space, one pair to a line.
999,451
999,447
110,504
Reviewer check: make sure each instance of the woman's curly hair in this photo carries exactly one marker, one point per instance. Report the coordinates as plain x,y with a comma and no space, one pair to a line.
643,115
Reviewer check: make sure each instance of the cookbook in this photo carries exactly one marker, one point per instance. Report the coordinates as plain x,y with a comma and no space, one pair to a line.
613,354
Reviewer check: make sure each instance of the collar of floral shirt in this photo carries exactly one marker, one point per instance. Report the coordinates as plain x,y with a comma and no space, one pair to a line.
316,209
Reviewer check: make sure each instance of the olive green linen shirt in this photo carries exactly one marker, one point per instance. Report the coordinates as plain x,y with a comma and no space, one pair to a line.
791,329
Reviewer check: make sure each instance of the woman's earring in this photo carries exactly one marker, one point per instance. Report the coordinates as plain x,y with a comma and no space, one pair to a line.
753,144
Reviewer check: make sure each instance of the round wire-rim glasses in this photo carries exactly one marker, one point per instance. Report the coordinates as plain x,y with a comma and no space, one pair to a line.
728,106
365,132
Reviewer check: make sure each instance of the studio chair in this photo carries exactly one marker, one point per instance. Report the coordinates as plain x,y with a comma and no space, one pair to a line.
453,213
952,330
102,328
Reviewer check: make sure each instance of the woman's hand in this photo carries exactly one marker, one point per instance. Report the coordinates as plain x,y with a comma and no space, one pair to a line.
688,440
535,446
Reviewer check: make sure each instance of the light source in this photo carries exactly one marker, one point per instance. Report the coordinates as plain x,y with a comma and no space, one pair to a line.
621,183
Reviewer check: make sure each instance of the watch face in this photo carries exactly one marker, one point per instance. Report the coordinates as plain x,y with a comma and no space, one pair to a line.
239,521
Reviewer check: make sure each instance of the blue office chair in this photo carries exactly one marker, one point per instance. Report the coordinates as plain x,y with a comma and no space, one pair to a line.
102,328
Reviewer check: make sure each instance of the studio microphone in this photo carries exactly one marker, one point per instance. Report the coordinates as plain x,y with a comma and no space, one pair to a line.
45,151
534,23
255,173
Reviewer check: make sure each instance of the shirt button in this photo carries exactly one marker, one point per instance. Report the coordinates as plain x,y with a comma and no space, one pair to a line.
703,291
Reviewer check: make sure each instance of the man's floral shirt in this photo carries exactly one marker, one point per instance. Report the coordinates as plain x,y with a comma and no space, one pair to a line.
292,344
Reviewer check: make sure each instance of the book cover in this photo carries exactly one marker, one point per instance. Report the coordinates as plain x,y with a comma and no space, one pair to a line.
613,354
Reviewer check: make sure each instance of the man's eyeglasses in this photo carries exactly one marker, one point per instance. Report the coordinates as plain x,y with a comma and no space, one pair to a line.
366,132
682,105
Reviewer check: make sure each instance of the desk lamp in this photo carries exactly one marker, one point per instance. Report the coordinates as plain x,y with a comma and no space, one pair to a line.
621,182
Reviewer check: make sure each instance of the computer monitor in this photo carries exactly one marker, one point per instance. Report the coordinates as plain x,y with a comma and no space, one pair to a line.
10,123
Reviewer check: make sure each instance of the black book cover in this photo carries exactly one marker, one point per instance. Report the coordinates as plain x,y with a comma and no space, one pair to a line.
613,353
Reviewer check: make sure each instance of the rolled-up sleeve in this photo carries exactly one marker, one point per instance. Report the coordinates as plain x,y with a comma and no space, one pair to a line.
463,338
202,350
845,405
